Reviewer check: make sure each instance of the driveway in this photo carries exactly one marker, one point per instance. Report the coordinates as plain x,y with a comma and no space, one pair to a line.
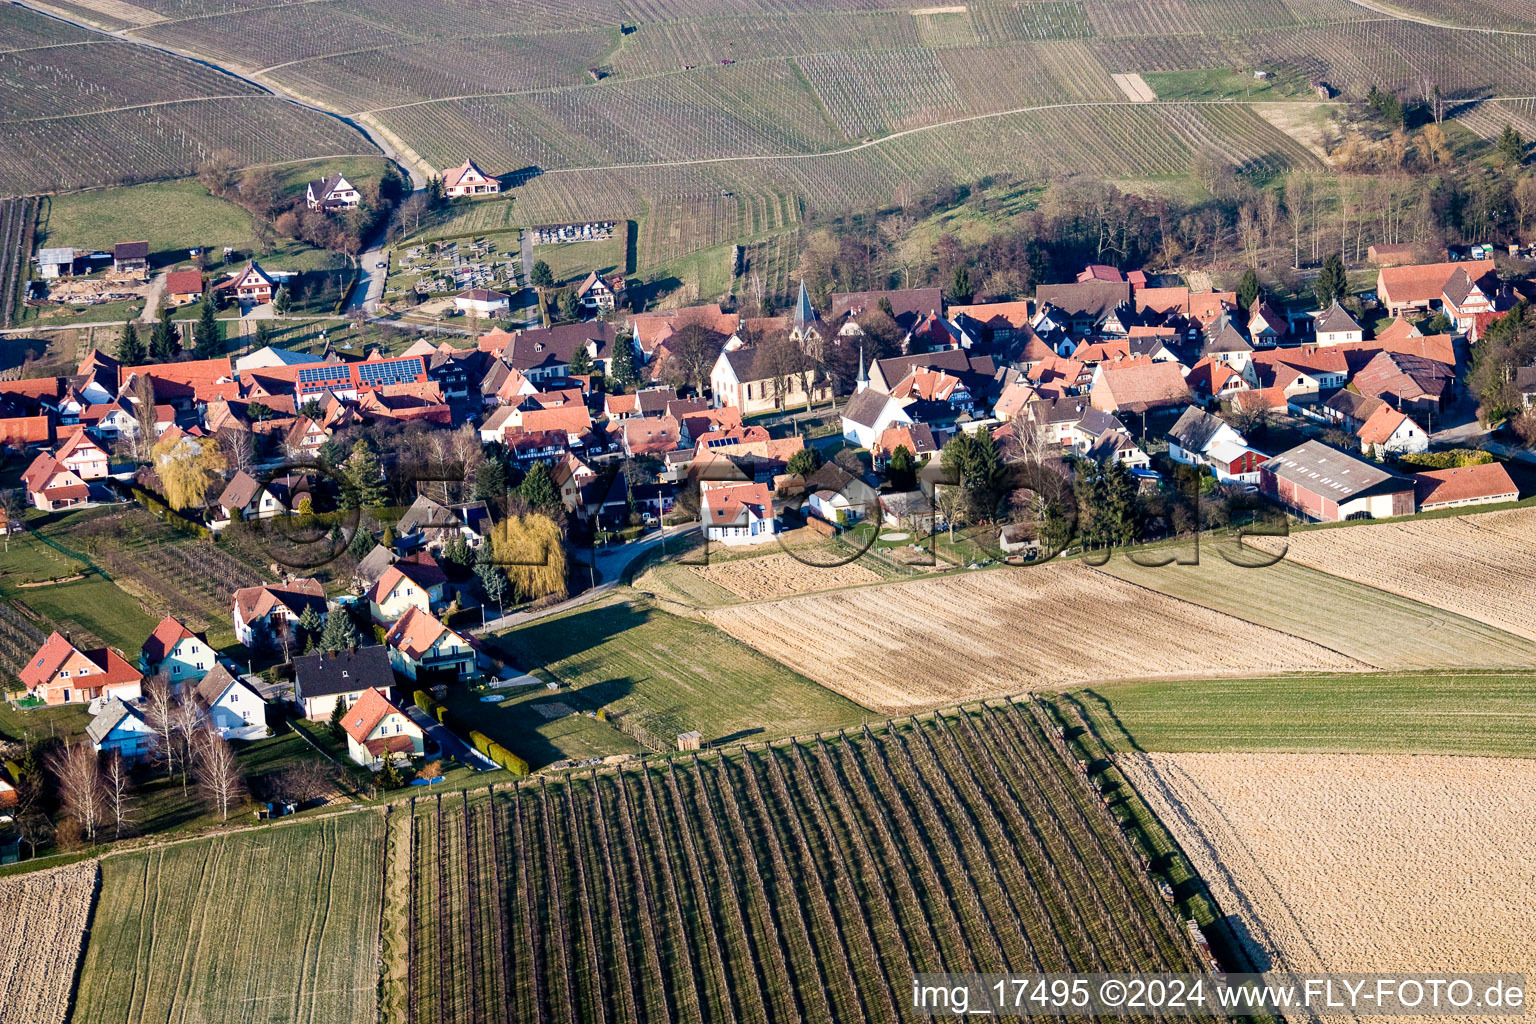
152,298
448,744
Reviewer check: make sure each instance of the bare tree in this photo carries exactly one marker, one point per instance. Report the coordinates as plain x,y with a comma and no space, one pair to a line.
185,719
217,770
81,792
1027,441
239,448
159,712
118,782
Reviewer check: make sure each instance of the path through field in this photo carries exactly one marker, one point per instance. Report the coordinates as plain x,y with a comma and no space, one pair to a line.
1135,87
1342,862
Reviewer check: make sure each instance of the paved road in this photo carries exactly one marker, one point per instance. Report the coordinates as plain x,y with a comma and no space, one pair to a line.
449,744
370,285
611,563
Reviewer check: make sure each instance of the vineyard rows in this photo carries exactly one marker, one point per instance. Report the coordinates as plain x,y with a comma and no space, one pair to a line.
877,93
162,141
1145,17
804,881
19,639
18,230
101,76
21,29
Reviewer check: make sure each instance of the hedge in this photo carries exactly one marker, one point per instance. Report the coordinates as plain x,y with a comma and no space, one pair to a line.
1454,458
498,753
425,702
174,519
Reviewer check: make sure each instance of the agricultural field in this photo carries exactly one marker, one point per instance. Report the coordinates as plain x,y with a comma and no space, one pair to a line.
1405,634
863,642
46,589
46,914
802,880
1439,712
667,674
1341,862
168,942
1478,566
780,575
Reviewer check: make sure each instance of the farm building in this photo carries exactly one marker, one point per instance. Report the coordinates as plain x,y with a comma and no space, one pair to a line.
376,728
1140,388
468,180
1407,382
1392,255
1324,484
1422,286
231,706
61,673
183,286
333,192
483,302
55,263
322,679
131,259
1464,485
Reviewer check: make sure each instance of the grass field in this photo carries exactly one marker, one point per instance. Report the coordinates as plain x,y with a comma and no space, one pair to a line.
671,675
782,882
277,924
1485,713
171,215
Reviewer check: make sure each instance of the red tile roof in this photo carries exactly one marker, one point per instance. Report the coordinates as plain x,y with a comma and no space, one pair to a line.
164,639
56,650
1464,483
184,282
365,715
1425,281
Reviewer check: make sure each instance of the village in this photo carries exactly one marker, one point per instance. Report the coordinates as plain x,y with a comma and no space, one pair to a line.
875,413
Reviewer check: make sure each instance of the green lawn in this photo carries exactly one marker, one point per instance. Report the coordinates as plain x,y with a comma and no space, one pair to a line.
171,215
1226,84
570,262
1483,713
672,675
516,725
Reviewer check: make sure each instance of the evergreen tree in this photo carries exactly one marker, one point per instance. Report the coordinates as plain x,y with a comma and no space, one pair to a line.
581,362
973,457
492,580
538,489
340,633
310,625
804,462
621,365
390,776
130,350
1511,146
206,338
366,478
570,309
1247,289
456,554
282,302
490,480
390,536
337,714
541,275
165,341
362,543
960,285
900,469
263,334
1332,281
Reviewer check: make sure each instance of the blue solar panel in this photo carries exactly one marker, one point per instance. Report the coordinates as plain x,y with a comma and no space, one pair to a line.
393,371
330,374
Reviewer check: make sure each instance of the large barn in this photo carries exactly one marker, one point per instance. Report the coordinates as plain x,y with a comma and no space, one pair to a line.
1324,484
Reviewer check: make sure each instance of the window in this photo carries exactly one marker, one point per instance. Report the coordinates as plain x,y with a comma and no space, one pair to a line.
62,675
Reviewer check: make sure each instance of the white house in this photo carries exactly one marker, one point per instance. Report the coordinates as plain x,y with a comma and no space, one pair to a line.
177,652
738,513
232,706
332,193
376,728
1191,438
468,180
869,413
121,729
270,613
1390,432
483,302
323,679
422,647
1335,326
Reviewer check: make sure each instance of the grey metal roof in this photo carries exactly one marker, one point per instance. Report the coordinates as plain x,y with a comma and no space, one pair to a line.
329,672
1333,474
103,724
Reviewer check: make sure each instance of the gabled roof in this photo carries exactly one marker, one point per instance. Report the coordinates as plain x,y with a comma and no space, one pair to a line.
728,504
866,407
1144,386
296,595
1195,429
416,632
183,282
1399,329
1336,319
371,708
1393,375
110,718
164,639
215,684
916,438
1426,282
1464,483
1381,425
1228,339
1085,298
467,170
1352,404
130,251
375,562
81,442
1333,474
56,650
328,672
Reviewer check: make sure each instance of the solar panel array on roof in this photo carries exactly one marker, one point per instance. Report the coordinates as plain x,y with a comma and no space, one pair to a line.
391,371
328,374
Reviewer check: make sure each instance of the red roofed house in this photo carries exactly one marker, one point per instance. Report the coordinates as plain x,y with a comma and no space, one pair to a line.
426,650
177,652
61,673
183,286
738,513
403,587
1423,286
271,612
376,727
648,436
1464,485
87,459
468,180
1389,432
1144,387
52,486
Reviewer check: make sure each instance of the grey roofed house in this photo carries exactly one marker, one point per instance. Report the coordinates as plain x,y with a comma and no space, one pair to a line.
865,407
1335,319
545,348
975,371
1080,300
908,305
1194,429
835,479
1097,422
1333,474
1525,380
1352,407
239,492
375,563
212,686
429,514
1228,339
330,672
102,725
1458,287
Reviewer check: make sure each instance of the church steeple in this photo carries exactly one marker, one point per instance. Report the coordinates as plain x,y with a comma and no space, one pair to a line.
863,381
804,314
